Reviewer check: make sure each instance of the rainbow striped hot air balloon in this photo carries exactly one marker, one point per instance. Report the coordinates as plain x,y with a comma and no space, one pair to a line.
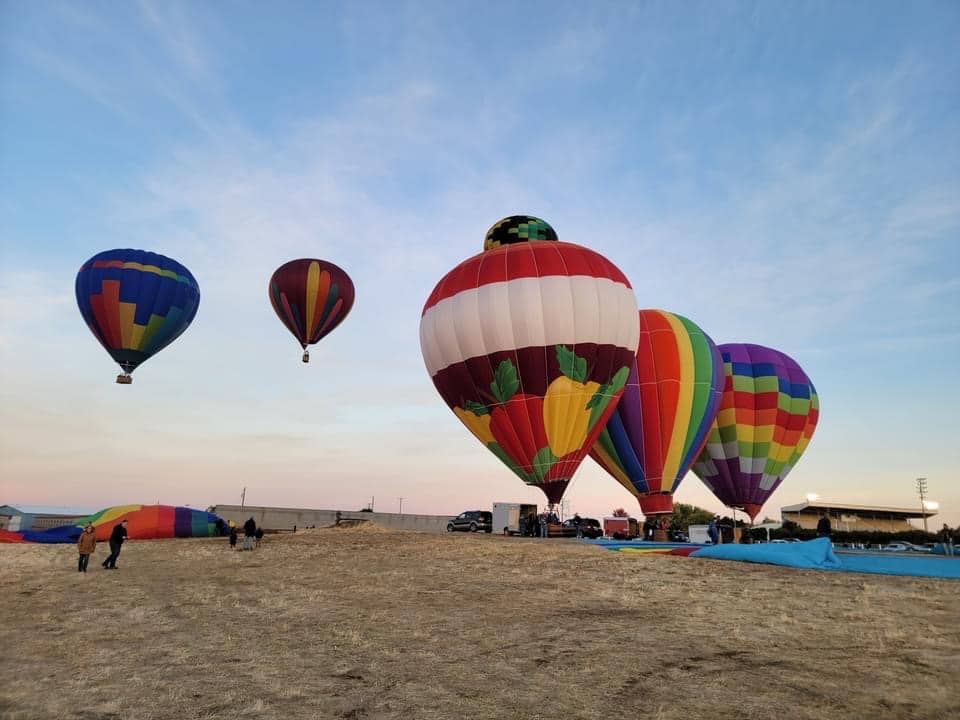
146,522
767,417
661,422
153,522
529,344
311,297
135,303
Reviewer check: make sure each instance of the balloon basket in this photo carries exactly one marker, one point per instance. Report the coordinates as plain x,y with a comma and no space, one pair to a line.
124,379
306,356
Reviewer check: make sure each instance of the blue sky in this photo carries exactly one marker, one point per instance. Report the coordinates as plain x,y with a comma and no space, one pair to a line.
786,174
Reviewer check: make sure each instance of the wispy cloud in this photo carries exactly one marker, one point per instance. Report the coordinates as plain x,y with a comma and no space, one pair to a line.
176,32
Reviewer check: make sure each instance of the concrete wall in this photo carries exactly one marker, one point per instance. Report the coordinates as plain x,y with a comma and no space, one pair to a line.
271,518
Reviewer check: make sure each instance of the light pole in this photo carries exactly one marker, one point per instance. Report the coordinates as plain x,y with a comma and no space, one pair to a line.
922,490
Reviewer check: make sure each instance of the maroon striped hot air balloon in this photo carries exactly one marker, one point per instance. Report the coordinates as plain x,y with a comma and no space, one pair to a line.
311,297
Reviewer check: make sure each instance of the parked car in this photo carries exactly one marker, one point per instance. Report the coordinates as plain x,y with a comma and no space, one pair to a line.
897,547
589,527
781,541
471,521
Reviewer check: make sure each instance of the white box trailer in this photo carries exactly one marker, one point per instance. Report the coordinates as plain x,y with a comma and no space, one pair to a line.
507,516
698,534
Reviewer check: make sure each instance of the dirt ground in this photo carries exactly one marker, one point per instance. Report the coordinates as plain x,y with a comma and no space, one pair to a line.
367,623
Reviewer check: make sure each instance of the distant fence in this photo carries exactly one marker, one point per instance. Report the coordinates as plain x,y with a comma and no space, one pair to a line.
274,518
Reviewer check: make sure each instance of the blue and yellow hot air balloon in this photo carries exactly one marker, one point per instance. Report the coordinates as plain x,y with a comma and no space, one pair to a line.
135,303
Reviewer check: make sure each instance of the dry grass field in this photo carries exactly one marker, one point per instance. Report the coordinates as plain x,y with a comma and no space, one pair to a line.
366,623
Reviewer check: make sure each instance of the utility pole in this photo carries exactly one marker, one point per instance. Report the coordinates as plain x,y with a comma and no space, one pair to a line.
922,491
401,505
372,497
243,498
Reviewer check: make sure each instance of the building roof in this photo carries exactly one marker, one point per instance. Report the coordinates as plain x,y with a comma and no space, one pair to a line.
858,509
64,511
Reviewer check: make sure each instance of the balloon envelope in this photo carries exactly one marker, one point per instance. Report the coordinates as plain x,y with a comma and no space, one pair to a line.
530,345
767,416
135,302
518,229
311,297
660,424
145,522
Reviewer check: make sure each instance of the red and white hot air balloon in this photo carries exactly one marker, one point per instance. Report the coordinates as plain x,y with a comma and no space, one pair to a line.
530,344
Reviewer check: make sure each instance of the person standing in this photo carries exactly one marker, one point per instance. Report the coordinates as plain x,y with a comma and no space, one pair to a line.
86,544
713,531
823,526
117,537
249,530
258,535
576,524
233,537
947,538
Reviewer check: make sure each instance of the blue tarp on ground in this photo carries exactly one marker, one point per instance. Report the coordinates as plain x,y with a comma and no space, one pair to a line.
906,564
818,555
813,555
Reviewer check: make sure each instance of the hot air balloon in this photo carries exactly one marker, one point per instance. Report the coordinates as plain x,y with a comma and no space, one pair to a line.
516,229
767,416
671,399
146,522
530,343
311,297
135,303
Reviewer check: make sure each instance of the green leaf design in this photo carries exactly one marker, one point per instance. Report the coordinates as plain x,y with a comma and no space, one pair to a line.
497,450
601,398
572,366
542,462
476,408
505,382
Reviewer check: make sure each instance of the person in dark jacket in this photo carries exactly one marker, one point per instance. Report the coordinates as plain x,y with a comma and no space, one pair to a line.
249,531
233,537
946,537
258,535
117,537
713,531
86,545
823,526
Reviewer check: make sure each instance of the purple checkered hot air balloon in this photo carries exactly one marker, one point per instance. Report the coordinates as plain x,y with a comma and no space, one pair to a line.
767,416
